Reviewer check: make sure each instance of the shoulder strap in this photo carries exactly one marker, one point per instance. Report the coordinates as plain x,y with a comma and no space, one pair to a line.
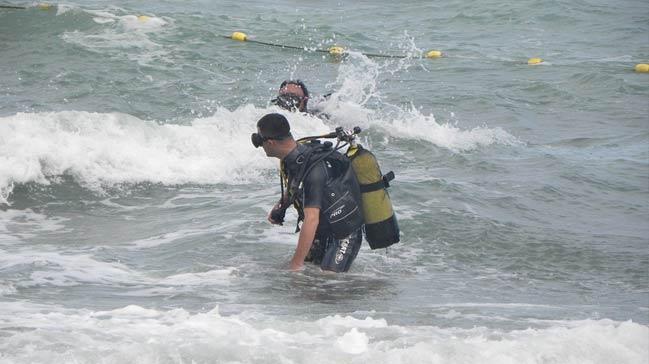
314,156
316,153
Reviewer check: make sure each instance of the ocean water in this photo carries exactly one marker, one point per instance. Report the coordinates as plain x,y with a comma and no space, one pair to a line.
133,206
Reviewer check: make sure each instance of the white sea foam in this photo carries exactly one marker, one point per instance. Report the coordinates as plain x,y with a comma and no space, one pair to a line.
353,342
136,46
7,288
57,269
357,87
415,125
120,34
142,23
100,150
215,276
49,268
40,334
19,224
166,238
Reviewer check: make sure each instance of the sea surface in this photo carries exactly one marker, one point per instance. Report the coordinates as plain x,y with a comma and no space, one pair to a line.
133,205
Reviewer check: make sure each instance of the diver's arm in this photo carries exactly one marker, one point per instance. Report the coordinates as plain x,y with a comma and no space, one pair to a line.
307,234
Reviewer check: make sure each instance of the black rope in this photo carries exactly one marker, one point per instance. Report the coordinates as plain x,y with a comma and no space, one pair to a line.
376,55
383,55
275,44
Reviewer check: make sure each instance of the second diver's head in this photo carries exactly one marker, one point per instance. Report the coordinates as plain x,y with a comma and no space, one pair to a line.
274,135
293,95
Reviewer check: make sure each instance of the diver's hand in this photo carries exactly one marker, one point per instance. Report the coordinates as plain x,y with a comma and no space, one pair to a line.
296,266
305,241
273,216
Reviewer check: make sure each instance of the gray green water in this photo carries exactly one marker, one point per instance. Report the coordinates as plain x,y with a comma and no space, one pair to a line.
132,220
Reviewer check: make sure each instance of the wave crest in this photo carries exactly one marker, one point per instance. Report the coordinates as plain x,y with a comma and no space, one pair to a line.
102,150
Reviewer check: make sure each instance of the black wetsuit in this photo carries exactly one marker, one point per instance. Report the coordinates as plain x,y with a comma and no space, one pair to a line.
327,251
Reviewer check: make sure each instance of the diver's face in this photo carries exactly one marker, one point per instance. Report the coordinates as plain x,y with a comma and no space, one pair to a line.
268,149
268,145
294,90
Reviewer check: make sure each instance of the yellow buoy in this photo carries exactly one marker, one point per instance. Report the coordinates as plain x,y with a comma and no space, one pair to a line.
241,37
44,6
336,51
533,61
143,18
642,68
433,54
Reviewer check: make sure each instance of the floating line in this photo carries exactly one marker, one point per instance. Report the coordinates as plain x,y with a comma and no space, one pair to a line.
334,50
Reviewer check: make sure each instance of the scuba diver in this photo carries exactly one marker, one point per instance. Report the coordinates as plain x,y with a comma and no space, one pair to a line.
292,96
322,186
337,195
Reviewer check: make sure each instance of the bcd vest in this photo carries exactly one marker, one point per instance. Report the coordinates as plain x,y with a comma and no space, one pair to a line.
341,204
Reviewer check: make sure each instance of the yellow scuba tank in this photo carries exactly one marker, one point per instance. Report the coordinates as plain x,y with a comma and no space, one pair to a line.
381,227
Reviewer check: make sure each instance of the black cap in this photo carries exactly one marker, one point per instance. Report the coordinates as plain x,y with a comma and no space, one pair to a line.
274,126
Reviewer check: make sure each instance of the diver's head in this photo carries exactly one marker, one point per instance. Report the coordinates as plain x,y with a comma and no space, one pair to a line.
293,95
274,135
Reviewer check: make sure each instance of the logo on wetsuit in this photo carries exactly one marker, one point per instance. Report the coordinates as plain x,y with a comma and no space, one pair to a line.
337,212
340,254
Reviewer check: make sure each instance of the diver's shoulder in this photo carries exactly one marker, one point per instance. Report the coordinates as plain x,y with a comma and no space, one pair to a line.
318,113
